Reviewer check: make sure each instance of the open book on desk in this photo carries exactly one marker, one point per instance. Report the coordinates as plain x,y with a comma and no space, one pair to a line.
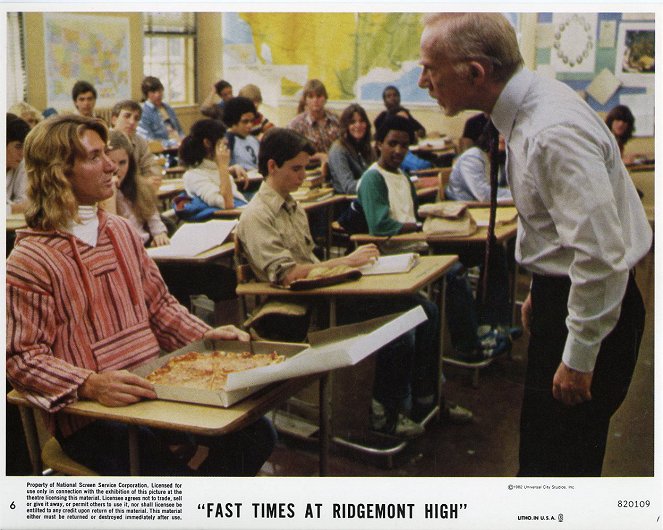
391,264
193,238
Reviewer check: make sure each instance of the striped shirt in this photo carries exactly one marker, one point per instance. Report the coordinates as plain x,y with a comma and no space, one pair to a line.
73,309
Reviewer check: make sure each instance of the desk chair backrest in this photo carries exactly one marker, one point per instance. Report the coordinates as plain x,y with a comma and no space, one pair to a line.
244,274
242,268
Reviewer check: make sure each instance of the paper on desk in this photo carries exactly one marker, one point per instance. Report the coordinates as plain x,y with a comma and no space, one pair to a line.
193,238
348,346
391,264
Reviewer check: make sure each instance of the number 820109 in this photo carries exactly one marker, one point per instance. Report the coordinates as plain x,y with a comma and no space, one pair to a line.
633,504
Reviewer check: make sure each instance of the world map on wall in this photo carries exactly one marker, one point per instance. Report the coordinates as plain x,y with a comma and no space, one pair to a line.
90,48
355,54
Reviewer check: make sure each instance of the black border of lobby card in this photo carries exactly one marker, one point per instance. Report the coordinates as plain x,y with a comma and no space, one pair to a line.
503,502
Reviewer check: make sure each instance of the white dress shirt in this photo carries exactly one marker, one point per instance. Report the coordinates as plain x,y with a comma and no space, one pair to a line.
579,212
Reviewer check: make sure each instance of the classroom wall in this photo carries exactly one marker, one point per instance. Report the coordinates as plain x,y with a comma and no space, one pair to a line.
35,66
209,69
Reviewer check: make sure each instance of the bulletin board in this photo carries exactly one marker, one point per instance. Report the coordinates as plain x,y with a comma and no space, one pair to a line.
609,61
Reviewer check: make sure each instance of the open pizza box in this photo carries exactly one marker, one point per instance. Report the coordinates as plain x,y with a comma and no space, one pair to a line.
327,350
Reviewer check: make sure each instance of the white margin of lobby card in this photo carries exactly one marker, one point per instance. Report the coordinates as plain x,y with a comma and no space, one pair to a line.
491,501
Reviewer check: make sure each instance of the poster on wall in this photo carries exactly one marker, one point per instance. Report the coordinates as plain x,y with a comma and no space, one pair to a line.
635,60
574,42
89,48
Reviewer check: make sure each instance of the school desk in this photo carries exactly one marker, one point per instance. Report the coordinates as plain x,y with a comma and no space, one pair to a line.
429,270
176,416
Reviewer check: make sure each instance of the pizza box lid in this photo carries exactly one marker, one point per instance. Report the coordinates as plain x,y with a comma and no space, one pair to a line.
328,349
333,348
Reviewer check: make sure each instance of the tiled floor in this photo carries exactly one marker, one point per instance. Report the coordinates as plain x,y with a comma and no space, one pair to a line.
489,445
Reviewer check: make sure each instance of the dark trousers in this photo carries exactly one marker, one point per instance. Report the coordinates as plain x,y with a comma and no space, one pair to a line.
407,365
104,447
560,440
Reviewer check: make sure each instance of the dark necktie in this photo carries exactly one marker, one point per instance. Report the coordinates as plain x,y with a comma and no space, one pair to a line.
490,238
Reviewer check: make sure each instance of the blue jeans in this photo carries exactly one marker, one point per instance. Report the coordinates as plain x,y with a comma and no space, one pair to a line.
104,447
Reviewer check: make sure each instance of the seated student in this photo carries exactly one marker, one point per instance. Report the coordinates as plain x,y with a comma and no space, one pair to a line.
134,198
352,153
158,121
260,124
85,98
470,181
238,116
214,103
470,176
125,117
474,127
621,122
205,152
386,194
389,201
411,162
392,101
275,236
17,181
26,112
320,126
86,304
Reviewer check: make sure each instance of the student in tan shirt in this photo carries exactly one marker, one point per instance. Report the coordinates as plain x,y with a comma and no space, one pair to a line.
276,238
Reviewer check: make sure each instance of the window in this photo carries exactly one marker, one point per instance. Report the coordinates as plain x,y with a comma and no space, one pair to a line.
169,54
15,59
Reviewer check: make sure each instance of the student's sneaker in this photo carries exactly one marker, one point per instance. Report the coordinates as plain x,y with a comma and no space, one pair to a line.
456,414
400,425
495,342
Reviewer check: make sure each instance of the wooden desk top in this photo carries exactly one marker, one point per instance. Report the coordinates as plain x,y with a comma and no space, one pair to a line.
231,213
502,233
170,188
434,145
187,417
644,166
220,251
429,269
